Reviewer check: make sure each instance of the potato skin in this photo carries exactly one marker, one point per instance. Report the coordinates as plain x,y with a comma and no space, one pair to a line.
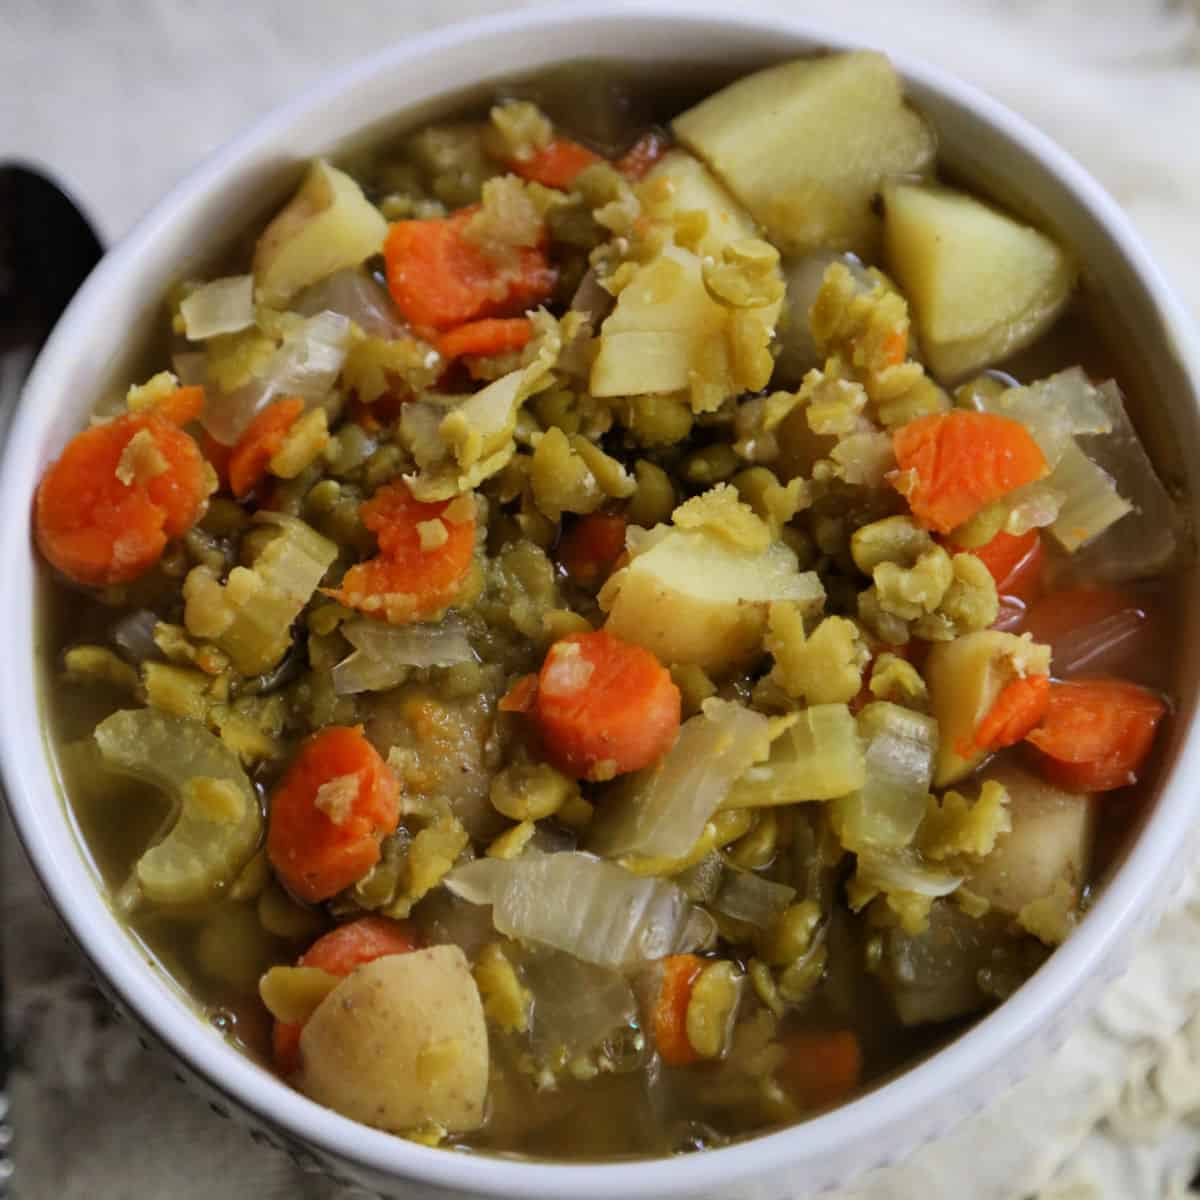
400,1043
1051,839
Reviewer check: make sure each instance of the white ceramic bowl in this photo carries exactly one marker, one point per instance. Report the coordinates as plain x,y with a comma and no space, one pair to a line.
986,145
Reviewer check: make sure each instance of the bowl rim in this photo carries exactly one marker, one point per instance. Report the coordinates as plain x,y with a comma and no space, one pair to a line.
27,774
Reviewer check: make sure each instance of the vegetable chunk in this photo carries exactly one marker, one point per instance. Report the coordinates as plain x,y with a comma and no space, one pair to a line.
401,1044
954,464
982,285
328,225
605,707
805,145
329,813
105,509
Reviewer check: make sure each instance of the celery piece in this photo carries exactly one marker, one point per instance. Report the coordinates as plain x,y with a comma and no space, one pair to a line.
819,757
217,822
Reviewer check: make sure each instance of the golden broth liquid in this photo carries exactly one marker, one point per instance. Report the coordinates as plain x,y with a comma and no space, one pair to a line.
216,952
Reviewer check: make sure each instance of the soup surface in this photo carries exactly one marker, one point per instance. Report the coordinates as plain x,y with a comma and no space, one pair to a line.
599,638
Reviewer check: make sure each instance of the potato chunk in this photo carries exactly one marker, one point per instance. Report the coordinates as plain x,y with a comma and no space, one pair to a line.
679,183
1051,840
981,284
691,597
401,1043
327,225
964,678
805,145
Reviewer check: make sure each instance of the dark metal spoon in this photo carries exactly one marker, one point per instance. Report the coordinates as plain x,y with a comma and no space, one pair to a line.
47,249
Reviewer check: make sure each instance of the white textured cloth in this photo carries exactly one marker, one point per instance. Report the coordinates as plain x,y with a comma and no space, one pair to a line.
121,100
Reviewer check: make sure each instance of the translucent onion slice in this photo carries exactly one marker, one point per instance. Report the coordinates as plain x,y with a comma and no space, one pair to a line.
355,295
904,871
748,897
581,905
803,278
383,654
222,306
901,749
577,1006
661,812
307,365
1091,503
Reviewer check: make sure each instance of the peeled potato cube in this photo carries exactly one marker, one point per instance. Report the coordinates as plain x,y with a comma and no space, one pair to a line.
690,597
326,226
401,1043
805,146
679,183
964,678
981,284
1051,839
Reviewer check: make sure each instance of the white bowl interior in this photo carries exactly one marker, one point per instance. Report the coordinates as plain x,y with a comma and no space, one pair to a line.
986,145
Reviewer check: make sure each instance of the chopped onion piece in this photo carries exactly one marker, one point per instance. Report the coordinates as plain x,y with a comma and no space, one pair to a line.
592,299
577,1006
901,749
581,905
903,871
306,365
190,367
1091,503
748,897
383,654
354,294
222,306
1054,410
1033,506
661,812
1147,542
1111,645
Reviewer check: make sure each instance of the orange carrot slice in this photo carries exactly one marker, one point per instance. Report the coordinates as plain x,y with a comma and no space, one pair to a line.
105,510
493,335
329,812
680,972
260,443
520,697
425,553
556,164
340,952
822,1068
1096,733
591,546
953,464
604,706
440,278
1018,708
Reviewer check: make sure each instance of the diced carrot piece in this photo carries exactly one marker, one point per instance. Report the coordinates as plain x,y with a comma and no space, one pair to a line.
413,575
493,335
643,154
1096,733
604,706
953,464
440,278
556,164
520,697
680,972
821,1069
105,509
334,805
260,443
591,546
340,952
1019,708
182,406
218,455
1015,562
